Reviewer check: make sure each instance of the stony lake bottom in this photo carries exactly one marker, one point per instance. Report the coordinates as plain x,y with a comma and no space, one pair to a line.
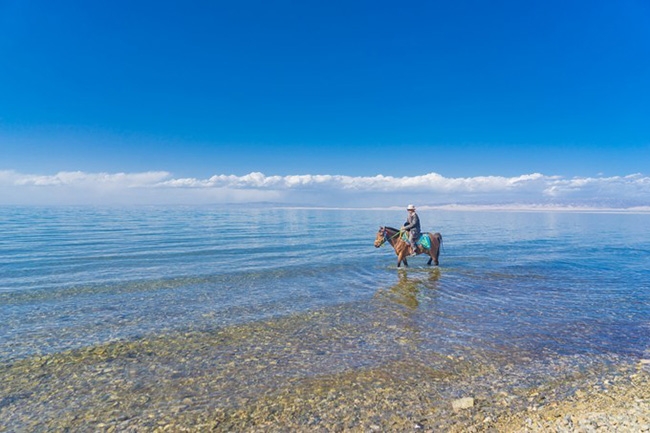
202,318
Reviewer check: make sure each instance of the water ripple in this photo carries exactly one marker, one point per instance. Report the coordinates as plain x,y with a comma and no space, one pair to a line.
539,283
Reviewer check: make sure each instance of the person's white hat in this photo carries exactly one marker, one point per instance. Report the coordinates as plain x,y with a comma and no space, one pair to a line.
410,207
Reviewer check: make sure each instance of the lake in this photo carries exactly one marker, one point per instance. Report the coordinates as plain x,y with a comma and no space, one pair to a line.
187,315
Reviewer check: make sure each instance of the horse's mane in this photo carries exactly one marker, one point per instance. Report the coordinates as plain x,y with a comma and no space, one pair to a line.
391,228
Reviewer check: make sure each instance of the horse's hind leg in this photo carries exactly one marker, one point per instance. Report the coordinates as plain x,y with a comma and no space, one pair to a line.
433,255
434,251
438,245
432,247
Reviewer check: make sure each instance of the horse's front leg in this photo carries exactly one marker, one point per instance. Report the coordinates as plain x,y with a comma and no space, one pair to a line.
400,258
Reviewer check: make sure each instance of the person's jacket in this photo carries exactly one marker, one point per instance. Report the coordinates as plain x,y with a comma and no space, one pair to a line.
413,224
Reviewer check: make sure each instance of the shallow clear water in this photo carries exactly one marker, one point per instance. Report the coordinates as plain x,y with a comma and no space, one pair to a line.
541,283
235,320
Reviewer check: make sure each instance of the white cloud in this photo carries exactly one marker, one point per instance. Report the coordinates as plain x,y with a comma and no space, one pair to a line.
72,178
324,190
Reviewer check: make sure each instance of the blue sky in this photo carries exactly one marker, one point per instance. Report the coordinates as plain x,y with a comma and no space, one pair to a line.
181,92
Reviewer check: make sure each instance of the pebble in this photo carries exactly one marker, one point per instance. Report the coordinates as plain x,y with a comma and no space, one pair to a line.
214,383
462,403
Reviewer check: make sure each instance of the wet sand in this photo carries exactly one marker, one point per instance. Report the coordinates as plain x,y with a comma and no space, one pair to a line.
319,371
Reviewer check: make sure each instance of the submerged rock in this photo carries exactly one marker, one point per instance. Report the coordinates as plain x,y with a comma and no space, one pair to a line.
462,403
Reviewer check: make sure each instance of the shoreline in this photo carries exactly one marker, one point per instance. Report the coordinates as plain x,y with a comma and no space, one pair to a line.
287,375
622,404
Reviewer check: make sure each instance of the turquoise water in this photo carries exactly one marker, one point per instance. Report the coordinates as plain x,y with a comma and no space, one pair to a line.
549,284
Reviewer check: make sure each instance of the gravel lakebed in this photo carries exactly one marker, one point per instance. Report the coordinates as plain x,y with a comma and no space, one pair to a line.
318,371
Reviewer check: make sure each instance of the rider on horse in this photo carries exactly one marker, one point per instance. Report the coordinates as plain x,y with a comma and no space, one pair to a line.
412,225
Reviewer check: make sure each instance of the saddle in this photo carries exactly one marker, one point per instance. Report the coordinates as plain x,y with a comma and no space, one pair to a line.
424,241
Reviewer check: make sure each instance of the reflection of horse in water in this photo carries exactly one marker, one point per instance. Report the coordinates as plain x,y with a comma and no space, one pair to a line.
391,235
405,291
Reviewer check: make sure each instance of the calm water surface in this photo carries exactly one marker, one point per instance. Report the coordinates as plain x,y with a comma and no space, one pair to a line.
196,319
541,283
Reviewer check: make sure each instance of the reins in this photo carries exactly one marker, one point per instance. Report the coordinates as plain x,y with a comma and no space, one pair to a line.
388,239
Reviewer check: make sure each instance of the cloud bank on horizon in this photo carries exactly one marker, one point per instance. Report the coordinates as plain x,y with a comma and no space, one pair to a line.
432,189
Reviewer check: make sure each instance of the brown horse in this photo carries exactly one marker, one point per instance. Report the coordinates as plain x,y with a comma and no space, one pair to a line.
402,249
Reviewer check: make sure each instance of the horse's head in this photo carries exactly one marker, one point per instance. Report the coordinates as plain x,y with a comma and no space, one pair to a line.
381,237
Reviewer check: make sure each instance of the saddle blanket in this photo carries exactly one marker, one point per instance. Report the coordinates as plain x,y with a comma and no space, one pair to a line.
424,241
